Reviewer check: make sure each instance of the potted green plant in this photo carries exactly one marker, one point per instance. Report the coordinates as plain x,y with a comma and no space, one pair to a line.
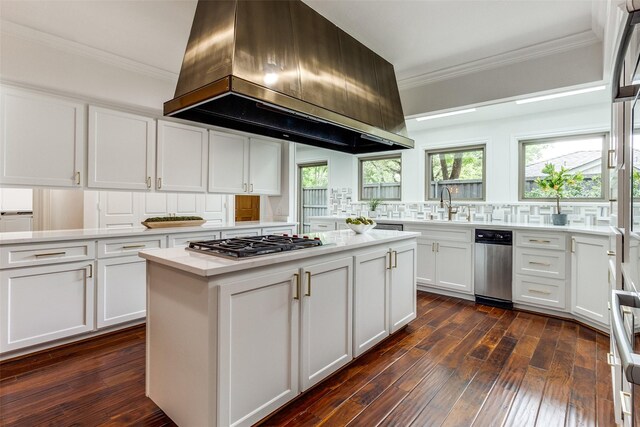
373,205
555,183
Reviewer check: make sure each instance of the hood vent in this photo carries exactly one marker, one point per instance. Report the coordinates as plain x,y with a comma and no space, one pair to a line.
280,69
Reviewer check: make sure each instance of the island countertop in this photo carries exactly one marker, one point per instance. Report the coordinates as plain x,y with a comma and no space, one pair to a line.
333,241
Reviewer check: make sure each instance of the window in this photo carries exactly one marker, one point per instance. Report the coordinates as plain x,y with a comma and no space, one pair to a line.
579,153
380,178
462,170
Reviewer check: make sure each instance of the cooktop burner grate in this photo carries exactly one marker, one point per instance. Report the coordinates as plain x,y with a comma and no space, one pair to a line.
242,247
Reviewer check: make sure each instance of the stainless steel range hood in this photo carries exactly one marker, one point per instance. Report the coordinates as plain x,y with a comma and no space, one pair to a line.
280,69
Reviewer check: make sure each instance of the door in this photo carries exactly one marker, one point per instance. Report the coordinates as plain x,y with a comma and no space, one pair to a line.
454,268
370,310
265,159
402,289
42,140
247,208
325,312
426,261
40,304
181,157
122,290
589,277
121,150
258,346
228,159
313,182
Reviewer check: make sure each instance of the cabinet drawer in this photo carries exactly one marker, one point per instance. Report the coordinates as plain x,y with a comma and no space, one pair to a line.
120,247
539,291
290,230
182,240
322,226
243,232
45,253
449,234
538,262
556,241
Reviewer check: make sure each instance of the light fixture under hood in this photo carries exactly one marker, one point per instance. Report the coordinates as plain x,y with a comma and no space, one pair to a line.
280,69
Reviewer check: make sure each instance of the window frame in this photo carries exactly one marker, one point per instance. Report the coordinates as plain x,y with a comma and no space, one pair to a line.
361,180
454,149
604,169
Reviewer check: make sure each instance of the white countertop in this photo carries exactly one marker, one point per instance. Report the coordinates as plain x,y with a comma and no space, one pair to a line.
333,241
603,230
101,233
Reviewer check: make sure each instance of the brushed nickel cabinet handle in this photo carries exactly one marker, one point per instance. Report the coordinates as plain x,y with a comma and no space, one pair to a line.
90,271
395,259
433,247
536,291
251,188
437,246
611,253
309,283
159,183
50,254
625,398
297,286
389,263
133,246
244,187
573,245
539,241
78,177
148,182
545,264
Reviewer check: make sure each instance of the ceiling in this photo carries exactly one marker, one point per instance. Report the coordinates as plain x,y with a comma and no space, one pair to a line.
418,37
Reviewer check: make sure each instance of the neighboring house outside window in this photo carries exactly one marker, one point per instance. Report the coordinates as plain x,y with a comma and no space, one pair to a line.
578,153
380,177
461,169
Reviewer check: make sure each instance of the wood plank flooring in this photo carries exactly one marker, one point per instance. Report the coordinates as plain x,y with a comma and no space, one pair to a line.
457,364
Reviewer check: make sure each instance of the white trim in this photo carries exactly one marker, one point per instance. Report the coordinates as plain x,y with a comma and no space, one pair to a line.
12,29
564,44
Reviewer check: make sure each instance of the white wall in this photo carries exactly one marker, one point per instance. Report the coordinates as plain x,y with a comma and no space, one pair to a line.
500,136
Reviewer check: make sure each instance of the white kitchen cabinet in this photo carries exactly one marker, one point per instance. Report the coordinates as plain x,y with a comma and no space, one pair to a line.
42,139
402,289
182,240
325,325
121,297
385,294
40,304
589,277
258,346
181,157
289,229
445,264
121,150
240,165
426,268
322,224
241,232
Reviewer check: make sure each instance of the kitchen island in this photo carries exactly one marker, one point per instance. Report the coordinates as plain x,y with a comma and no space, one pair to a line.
229,341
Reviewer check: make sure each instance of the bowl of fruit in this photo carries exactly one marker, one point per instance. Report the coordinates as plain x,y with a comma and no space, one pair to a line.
360,224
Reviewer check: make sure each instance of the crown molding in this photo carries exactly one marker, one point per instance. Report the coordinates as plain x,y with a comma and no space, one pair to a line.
564,44
16,30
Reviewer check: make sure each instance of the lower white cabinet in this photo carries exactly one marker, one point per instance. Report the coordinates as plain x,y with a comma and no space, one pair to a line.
445,264
325,319
245,232
290,230
40,304
122,292
385,294
182,240
589,281
258,346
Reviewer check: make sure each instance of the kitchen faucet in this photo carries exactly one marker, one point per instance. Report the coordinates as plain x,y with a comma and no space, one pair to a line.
450,209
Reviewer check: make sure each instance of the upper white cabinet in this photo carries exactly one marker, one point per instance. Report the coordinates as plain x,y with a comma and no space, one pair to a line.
182,157
243,165
121,150
41,139
264,166
589,281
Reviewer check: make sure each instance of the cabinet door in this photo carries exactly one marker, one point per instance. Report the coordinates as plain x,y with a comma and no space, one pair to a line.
41,304
402,290
121,150
325,329
589,281
426,261
42,140
228,157
258,347
121,209
122,290
454,267
370,309
182,157
264,166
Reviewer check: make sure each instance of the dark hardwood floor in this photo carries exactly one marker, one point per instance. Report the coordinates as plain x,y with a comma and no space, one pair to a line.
457,364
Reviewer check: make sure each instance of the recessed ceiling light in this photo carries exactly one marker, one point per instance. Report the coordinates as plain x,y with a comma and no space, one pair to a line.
450,113
560,95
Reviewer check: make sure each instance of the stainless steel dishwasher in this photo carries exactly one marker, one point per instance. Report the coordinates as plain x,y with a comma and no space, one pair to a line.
493,263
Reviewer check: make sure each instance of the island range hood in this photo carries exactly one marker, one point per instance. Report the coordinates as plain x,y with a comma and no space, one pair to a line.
280,69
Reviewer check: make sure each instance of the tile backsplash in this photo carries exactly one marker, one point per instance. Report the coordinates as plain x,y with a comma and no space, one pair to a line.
341,203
